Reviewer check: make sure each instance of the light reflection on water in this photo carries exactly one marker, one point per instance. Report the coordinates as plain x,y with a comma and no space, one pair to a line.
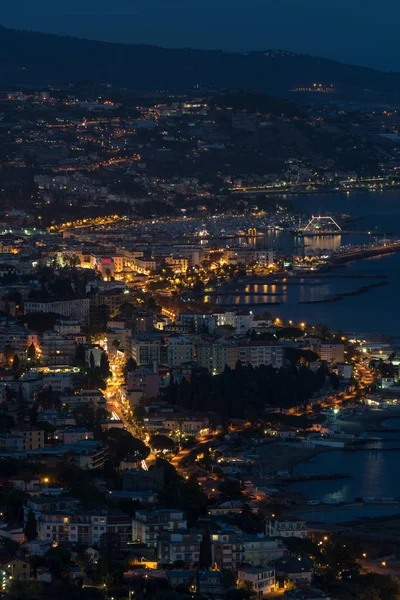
380,212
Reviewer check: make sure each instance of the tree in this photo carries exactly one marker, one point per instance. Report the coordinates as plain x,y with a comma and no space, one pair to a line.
8,353
31,527
80,357
31,353
162,442
104,366
126,309
122,443
130,365
230,489
205,556
15,363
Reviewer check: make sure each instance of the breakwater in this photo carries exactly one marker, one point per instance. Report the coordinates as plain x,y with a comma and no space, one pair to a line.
337,297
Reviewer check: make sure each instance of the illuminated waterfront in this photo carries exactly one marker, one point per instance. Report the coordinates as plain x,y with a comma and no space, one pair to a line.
379,211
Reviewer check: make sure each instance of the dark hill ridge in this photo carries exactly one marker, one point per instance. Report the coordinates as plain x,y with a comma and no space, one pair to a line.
31,57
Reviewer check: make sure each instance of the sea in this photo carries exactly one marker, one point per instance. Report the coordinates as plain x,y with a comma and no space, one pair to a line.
372,468
371,473
375,311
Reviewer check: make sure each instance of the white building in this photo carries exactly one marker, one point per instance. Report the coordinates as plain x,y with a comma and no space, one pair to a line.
261,353
288,527
262,580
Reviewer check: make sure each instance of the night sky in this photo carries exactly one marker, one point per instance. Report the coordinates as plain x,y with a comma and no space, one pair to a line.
357,31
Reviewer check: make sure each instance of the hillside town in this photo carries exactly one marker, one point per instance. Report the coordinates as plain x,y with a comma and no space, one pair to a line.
149,435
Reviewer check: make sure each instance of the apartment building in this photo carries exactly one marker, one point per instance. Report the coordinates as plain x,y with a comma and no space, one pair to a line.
260,353
146,348
179,264
94,397
227,549
216,355
67,327
87,527
12,443
332,351
76,308
259,549
262,580
19,338
59,382
179,545
145,381
57,349
72,435
148,525
288,527
179,350
143,265
196,322
33,436
142,321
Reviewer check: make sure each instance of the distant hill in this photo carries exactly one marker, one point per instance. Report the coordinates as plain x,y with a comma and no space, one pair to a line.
35,58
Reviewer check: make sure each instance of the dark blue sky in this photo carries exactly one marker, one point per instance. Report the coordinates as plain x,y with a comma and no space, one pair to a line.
359,31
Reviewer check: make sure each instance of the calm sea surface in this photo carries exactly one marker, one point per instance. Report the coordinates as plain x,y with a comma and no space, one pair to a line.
376,311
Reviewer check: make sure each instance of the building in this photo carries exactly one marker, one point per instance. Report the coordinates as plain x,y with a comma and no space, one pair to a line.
29,384
299,571
12,443
179,545
332,351
84,526
143,381
179,264
261,579
59,382
216,355
143,265
224,318
196,322
57,349
112,299
76,308
72,435
227,549
33,436
15,569
142,321
259,550
260,353
67,327
345,370
95,398
148,525
146,348
288,527
243,321
180,350
97,351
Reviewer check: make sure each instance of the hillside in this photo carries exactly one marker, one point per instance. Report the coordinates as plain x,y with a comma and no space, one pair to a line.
30,57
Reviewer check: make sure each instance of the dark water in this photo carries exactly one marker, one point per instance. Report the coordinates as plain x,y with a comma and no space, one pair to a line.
372,474
376,311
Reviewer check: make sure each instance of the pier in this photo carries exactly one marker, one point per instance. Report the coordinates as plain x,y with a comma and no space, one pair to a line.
364,253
